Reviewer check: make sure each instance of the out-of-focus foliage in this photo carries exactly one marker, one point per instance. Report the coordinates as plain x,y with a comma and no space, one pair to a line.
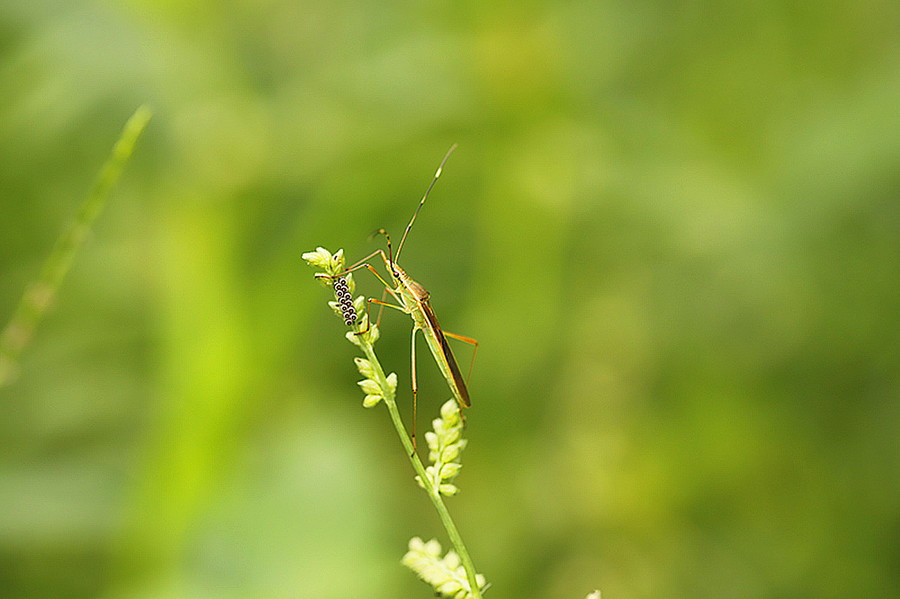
673,228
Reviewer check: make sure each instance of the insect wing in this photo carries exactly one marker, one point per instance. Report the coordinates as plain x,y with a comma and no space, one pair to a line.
435,329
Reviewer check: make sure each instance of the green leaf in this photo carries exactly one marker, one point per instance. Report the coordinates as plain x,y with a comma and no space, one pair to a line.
372,400
337,261
365,368
448,471
448,489
370,387
321,258
392,382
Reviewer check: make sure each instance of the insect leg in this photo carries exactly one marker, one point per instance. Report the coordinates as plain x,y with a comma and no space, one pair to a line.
381,309
414,385
470,341
362,263
372,300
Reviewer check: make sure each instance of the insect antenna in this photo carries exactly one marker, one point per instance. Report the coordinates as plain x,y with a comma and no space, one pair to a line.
422,203
378,232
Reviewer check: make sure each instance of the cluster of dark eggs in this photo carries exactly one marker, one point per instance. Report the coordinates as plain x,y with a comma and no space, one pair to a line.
345,300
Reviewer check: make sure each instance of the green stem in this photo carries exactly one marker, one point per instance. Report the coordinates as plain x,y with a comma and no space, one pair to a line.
433,494
39,294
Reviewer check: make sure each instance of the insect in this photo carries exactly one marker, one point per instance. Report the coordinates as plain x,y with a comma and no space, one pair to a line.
413,299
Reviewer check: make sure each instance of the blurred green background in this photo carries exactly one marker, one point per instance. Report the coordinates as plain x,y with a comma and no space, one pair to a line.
673,227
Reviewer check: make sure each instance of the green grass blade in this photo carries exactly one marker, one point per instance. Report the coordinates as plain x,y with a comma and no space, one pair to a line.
39,294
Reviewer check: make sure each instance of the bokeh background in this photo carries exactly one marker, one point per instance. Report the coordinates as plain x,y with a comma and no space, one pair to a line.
673,227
